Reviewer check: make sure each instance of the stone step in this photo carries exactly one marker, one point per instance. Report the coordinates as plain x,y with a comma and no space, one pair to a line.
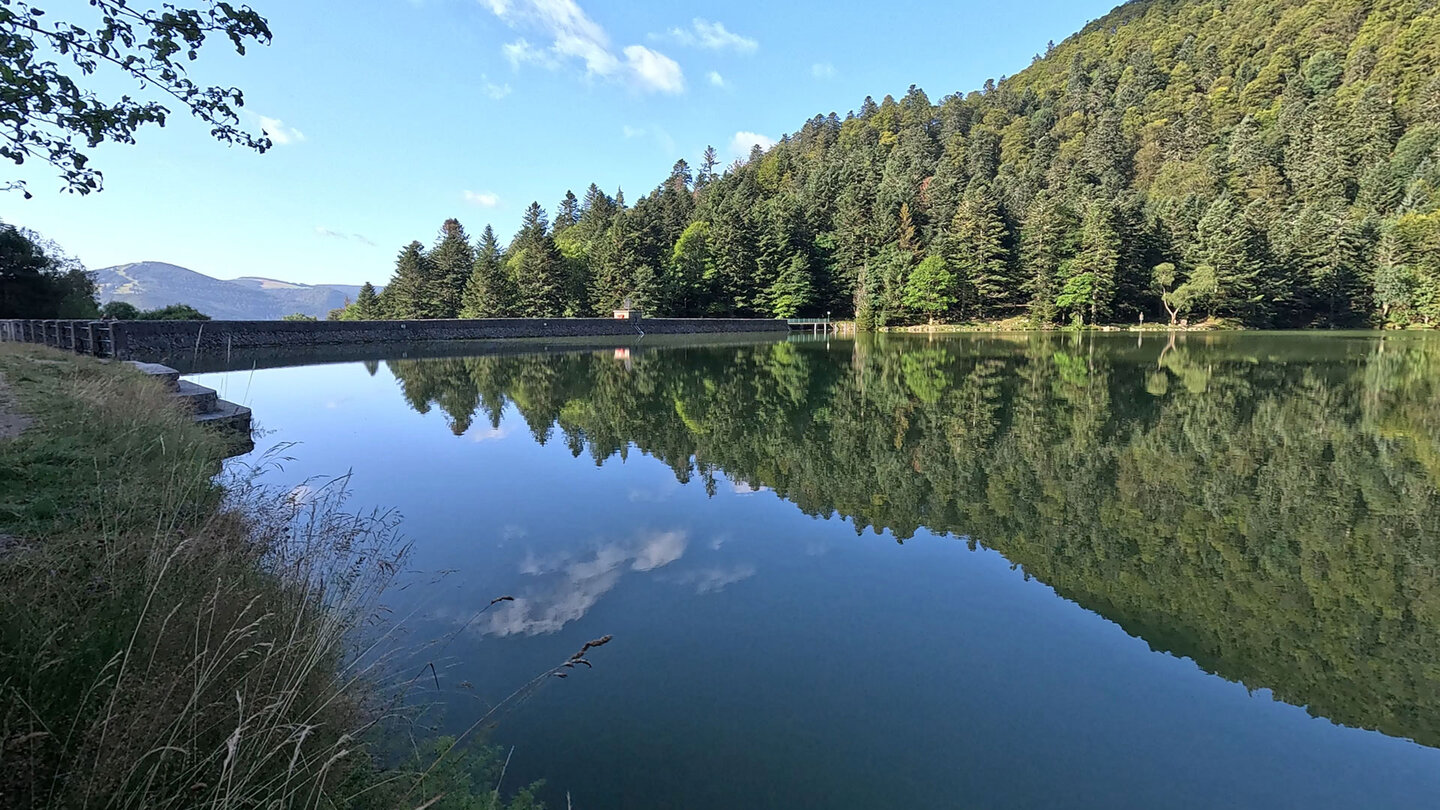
197,398
226,416
165,374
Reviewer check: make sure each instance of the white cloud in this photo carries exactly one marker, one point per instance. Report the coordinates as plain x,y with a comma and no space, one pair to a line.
570,587
711,36
493,90
714,580
280,134
715,79
822,70
661,550
742,142
331,233
490,434
484,199
746,488
521,52
575,37
654,70
631,132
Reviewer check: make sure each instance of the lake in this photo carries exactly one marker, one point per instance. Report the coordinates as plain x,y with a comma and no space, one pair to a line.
998,571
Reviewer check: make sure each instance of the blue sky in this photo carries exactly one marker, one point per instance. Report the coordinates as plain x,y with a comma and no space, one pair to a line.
391,115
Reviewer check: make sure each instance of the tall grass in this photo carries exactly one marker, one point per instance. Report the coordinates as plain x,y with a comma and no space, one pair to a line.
166,641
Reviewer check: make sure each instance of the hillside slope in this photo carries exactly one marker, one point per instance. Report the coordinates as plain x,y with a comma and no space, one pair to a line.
149,285
1277,160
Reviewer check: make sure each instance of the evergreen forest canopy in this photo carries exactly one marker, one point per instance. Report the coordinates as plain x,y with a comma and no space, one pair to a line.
1268,506
1273,162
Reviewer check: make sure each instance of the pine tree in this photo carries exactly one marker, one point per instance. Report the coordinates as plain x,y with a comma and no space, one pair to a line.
1225,242
975,248
1394,279
367,304
569,212
614,271
1046,242
597,205
1372,127
1329,246
905,231
793,291
708,161
680,177
1097,261
536,268
451,261
404,296
865,315
488,293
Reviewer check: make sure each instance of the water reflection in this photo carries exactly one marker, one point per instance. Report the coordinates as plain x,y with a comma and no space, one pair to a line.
1263,504
563,588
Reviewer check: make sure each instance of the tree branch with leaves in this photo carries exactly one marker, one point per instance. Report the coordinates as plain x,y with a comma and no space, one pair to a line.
47,113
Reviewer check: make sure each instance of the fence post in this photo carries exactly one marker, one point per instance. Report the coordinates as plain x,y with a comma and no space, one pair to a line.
118,346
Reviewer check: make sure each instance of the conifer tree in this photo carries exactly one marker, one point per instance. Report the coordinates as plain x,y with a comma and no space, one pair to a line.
708,162
1394,279
905,231
535,266
568,213
1097,263
367,307
792,292
1225,243
404,297
865,315
1329,246
488,293
451,262
614,271
1046,242
975,248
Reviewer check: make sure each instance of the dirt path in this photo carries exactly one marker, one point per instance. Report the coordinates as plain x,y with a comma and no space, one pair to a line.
12,422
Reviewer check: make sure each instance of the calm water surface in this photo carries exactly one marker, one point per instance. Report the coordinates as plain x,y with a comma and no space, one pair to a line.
989,572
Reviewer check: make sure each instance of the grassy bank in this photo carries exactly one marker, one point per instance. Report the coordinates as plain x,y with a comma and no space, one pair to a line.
169,642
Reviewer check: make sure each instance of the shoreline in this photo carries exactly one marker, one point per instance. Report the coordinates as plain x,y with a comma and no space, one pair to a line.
1019,325
119,523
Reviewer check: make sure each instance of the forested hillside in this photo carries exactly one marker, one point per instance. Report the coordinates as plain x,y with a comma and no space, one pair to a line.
1271,161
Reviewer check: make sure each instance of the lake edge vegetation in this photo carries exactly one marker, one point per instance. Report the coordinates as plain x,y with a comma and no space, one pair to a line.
172,642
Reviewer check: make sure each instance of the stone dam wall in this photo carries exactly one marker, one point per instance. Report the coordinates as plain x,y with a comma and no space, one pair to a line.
158,341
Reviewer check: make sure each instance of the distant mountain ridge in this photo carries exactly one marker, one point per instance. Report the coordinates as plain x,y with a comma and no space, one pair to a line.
149,285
